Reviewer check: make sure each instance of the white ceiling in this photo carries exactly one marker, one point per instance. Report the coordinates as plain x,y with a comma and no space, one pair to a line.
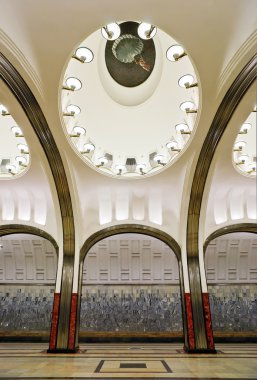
39,38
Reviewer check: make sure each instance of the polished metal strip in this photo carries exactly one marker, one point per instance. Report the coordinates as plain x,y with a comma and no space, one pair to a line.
11,229
130,228
223,115
31,108
233,228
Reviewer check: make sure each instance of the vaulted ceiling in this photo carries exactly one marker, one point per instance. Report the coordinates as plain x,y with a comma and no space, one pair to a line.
39,39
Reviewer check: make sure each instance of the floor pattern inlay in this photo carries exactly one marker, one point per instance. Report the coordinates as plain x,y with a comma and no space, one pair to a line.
30,361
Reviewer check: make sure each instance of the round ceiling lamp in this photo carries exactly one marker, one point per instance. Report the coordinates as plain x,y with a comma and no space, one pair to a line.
245,128
187,81
78,131
239,145
21,160
111,31
3,110
146,31
188,107
175,52
73,110
84,55
72,84
17,131
182,128
243,159
173,145
23,148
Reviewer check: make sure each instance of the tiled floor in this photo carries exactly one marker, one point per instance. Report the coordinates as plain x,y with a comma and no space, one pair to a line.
119,361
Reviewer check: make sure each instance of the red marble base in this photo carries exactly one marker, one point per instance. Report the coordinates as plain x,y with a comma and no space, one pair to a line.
208,323
190,323
55,316
73,319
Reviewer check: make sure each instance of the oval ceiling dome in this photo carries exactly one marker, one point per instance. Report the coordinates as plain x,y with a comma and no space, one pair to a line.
129,100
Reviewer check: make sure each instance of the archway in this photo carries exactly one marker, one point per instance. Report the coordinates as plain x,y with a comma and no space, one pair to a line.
28,263
140,276
231,271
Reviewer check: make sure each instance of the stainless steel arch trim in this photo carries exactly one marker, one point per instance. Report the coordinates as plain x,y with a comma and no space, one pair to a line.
130,228
11,229
31,108
222,117
239,227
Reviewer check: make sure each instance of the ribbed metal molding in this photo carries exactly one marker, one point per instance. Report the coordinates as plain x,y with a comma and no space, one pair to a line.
223,115
239,227
130,228
31,108
10,229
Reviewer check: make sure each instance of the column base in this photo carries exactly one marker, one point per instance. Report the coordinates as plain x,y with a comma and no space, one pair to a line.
62,351
200,351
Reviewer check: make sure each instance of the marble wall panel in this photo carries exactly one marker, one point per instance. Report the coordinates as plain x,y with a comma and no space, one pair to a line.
26,308
233,307
131,308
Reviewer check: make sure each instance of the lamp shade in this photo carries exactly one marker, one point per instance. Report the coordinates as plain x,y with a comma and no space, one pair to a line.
89,147
146,31
182,128
79,131
111,31
174,52
187,106
72,109
21,160
23,148
16,130
246,127
172,145
240,144
73,83
84,54
186,80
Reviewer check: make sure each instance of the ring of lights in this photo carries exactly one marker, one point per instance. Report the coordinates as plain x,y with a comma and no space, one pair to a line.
15,157
136,139
244,150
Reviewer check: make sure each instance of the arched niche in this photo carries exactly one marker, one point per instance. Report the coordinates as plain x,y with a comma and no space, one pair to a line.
131,285
231,271
28,263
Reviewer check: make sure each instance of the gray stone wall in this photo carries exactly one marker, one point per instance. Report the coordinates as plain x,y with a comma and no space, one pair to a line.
127,308
131,308
233,307
26,308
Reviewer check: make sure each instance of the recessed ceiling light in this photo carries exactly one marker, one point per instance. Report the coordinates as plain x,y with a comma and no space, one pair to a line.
183,128
243,158
146,31
111,31
245,127
173,145
240,144
21,160
17,131
187,81
188,107
73,110
84,54
3,110
23,148
72,84
89,147
175,52
78,131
